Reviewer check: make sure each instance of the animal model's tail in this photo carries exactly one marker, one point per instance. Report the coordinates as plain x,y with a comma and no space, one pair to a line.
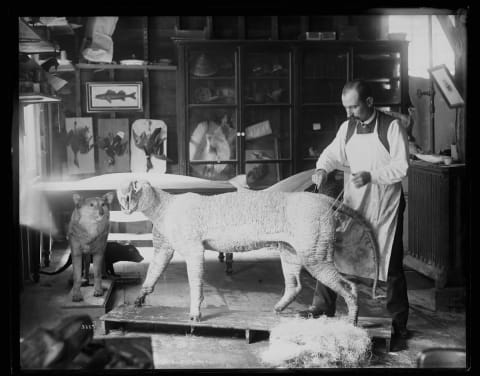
339,207
58,271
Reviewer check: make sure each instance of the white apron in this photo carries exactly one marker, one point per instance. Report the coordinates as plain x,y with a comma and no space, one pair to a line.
377,203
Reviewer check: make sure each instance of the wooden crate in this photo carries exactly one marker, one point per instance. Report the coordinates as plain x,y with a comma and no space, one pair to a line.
95,306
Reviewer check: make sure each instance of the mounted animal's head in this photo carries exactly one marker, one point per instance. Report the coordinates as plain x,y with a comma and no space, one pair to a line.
95,208
135,195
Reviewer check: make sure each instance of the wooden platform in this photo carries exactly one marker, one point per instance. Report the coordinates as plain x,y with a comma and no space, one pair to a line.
95,306
149,317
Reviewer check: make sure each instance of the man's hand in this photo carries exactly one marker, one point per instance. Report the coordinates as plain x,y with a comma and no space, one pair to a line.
319,177
361,178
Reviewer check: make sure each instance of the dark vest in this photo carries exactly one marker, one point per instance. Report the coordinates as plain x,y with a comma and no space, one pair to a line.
383,122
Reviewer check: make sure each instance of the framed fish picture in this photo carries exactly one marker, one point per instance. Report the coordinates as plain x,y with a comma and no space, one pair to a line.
80,145
114,96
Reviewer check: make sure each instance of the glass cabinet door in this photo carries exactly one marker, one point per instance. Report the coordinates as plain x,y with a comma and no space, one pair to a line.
323,74
266,121
212,113
381,68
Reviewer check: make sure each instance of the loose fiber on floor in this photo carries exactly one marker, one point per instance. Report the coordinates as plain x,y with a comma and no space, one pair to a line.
317,343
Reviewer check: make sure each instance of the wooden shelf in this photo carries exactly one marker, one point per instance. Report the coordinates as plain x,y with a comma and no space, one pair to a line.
323,78
318,133
268,78
382,79
268,105
211,105
212,78
126,67
310,104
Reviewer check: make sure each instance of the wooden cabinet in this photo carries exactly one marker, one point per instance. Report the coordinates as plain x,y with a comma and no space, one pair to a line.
275,105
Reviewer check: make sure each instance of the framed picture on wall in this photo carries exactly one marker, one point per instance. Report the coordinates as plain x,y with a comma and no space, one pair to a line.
114,96
444,81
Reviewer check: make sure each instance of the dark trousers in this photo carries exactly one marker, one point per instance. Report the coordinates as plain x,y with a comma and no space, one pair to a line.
397,299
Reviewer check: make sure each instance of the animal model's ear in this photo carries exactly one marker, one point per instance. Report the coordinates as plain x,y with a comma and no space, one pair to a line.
77,199
136,186
109,197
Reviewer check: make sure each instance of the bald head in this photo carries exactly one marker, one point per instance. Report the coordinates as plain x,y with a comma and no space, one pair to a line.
357,100
361,87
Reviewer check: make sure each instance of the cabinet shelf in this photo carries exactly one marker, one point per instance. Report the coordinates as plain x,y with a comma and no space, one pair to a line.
381,79
253,78
318,133
268,105
212,105
328,104
126,67
323,78
212,78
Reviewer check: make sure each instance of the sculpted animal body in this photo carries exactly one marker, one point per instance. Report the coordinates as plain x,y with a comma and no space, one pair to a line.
300,224
87,234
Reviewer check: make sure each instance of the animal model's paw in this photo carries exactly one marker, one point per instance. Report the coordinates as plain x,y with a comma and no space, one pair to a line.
146,290
278,308
139,301
77,297
98,292
353,321
196,318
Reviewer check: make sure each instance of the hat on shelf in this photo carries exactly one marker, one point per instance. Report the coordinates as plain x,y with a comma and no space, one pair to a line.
203,67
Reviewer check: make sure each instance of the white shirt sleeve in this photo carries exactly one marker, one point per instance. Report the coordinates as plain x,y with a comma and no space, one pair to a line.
333,156
397,168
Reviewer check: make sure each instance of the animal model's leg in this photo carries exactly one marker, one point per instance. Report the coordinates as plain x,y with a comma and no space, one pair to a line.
195,268
328,274
291,267
229,263
97,274
161,259
86,259
77,276
318,260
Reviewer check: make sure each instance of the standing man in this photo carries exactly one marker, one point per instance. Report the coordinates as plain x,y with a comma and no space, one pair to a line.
372,148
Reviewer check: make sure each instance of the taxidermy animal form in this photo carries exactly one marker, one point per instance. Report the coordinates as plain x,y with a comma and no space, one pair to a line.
151,144
300,224
87,235
111,95
113,145
211,141
114,252
79,141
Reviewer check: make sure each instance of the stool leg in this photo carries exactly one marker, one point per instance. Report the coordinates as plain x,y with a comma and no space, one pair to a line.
229,263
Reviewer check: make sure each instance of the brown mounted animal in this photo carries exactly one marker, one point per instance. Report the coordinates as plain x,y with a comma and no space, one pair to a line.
87,235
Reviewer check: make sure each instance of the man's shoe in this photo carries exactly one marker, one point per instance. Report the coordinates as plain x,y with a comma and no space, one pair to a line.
313,312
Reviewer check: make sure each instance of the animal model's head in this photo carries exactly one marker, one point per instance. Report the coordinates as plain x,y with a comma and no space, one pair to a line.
96,209
134,195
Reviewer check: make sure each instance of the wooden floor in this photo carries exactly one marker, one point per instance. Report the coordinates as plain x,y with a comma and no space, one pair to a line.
252,290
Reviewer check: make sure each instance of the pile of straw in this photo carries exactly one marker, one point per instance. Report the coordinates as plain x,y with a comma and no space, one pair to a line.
317,343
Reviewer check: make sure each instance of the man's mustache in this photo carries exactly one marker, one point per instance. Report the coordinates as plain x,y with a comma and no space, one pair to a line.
354,118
